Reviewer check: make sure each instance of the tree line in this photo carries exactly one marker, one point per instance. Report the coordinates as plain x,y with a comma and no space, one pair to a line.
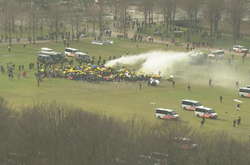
52,134
67,19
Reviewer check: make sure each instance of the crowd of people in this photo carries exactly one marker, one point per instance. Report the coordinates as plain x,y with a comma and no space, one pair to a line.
98,73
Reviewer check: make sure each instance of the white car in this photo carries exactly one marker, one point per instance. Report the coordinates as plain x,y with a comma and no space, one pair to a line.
95,42
46,50
106,42
218,54
190,105
240,49
205,112
161,113
70,52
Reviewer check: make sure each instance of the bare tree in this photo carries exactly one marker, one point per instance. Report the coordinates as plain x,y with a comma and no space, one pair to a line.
192,8
213,13
237,10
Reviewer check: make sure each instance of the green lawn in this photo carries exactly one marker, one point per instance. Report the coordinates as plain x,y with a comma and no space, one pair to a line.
124,100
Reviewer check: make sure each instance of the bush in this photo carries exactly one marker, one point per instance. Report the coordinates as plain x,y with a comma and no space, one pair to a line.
51,134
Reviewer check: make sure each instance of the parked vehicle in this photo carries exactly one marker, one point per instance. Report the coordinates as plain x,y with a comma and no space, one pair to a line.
70,52
217,54
46,50
205,112
244,92
49,57
190,105
162,113
240,49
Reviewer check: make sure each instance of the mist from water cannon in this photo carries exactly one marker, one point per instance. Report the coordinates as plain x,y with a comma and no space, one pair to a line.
153,62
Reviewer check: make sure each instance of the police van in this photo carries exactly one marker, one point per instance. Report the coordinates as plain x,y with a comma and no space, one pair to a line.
244,92
205,112
190,105
70,52
162,113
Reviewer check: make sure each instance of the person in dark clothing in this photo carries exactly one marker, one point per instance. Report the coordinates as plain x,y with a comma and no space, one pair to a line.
189,87
221,99
173,83
210,82
238,120
140,86
237,107
237,84
202,121
234,123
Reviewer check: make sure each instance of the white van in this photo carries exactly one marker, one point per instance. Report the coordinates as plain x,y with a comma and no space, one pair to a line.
244,92
162,113
217,54
70,52
205,112
46,50
190,105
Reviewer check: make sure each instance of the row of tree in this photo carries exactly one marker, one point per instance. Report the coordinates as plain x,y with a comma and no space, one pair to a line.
50,134
35,19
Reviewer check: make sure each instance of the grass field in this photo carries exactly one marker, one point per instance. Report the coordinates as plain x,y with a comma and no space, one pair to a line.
125,100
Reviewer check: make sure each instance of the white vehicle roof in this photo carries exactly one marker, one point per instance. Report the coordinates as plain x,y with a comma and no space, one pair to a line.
245,87
72,49
48,53
81,53
206,108
46,49
163,109
193,101
218,51
97,42
237,46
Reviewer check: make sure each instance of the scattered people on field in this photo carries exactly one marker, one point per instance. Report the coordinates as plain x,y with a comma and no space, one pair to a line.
189,87
9,49
221,99
173,83
202,121
24,74
210,82
140,86
234,123
237,107
237,84
239,121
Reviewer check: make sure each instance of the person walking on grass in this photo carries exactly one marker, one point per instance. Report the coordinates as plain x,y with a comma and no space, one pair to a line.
221,99
189,87
238,107
140,86
210,82
234,123
173,83
238,121
203,121
237,84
